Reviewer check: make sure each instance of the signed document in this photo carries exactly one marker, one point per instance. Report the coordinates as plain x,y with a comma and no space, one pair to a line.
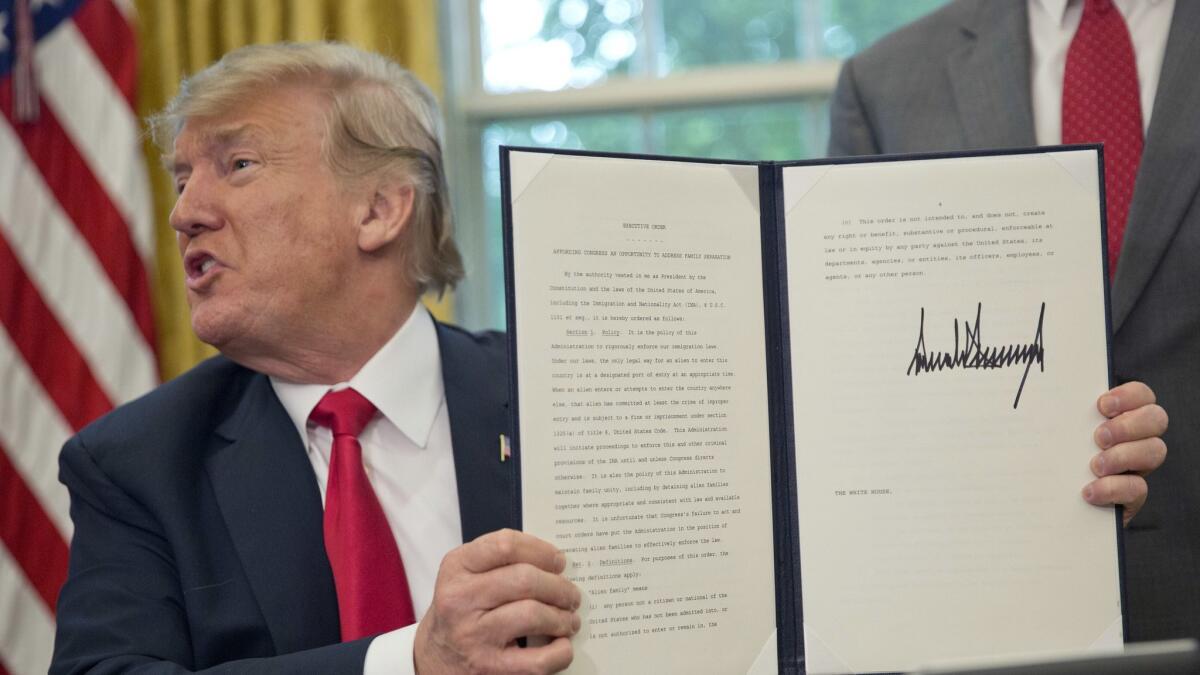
814,417
948,344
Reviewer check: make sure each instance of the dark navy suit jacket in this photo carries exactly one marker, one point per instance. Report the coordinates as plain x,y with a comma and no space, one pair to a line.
198,539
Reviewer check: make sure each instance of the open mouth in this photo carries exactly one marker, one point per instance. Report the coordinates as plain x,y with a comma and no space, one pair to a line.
199,267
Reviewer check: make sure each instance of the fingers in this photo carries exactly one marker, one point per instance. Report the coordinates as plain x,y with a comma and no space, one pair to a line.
1131,447
431,658
1125,397
491,591
508,547
1140,457
1145,421
503,567
512,566
1128,490
516,582
529,617
549,658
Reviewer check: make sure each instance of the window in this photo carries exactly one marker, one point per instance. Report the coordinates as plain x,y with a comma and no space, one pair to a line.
732,79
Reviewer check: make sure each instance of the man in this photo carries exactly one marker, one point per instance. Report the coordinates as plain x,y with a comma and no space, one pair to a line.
311,215
990,74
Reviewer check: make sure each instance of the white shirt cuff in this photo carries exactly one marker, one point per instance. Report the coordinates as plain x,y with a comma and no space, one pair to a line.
392,653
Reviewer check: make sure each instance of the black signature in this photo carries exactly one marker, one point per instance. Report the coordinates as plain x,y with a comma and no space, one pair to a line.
975,355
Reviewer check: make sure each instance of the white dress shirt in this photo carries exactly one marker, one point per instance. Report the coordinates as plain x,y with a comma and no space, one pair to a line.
1052,24
408,459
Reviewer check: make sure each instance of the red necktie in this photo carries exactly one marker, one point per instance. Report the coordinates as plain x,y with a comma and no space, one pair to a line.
1102,103
372,590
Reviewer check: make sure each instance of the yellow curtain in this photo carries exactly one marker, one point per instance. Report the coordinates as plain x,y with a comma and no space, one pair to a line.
180,37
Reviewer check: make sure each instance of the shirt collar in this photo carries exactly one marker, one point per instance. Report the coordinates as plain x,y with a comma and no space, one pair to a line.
403,379
1057,9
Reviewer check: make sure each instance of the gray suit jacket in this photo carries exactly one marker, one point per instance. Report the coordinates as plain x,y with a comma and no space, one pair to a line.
960,79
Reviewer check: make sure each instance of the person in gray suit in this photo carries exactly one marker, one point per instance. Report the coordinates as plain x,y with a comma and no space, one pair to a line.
967,77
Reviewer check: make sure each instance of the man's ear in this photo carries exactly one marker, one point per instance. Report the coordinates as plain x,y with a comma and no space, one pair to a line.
388,214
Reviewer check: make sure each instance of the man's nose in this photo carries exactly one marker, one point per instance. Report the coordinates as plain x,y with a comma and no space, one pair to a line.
196,208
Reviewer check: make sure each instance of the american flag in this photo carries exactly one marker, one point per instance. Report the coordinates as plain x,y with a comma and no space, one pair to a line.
76,237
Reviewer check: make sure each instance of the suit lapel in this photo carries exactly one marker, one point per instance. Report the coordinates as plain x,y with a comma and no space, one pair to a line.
477,400
271,504
990,76
1170,172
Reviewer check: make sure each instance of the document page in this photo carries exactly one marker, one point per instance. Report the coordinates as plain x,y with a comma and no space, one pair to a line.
643,425
948,343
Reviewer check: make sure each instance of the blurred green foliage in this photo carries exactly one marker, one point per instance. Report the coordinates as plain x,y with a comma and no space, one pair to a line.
695,33
714,32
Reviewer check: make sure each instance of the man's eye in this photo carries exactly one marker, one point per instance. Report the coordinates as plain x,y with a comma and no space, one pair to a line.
179,187
242,164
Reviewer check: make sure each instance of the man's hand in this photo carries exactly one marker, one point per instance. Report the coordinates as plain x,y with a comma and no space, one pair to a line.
502,586
1130,447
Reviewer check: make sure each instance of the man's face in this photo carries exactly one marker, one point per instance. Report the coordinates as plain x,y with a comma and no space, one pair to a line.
266,231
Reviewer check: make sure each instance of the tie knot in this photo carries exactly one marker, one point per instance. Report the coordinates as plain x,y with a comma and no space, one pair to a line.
1097,6
345,411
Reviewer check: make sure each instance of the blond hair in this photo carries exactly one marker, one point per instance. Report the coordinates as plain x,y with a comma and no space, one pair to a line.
382,122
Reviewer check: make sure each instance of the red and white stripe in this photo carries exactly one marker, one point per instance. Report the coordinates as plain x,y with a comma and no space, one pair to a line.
76,330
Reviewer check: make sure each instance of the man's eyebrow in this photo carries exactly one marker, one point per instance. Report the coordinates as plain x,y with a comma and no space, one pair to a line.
222,137
167,160
217,140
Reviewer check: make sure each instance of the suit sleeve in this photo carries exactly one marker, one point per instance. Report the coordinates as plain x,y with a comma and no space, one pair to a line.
121,609
850,131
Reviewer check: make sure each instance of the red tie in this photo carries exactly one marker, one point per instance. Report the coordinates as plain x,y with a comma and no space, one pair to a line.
1101,103
372,590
